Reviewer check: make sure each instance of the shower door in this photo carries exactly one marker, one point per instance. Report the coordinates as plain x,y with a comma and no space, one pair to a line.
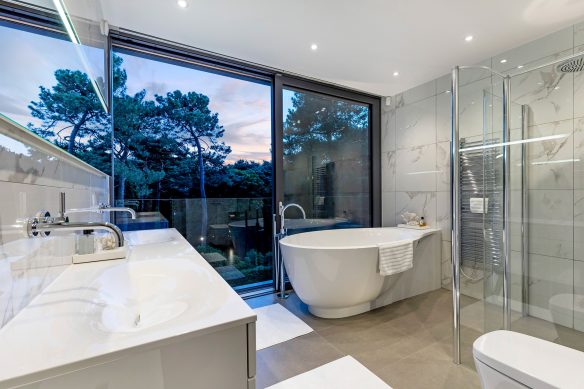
480,170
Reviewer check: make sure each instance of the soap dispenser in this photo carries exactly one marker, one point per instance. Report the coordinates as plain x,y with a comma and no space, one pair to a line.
86,243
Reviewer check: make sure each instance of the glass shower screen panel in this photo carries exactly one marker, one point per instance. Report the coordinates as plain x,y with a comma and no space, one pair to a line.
482,204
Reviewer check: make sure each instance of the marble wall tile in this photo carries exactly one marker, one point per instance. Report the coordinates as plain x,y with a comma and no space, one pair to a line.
421,203
443,166
551,223
388,134
579,89
444,84
443,117
416,169
443,214
535,50
388,165
388,209
31,179
550,277
579,225
417,93
471,107
416,123
550,162
548,93
579,153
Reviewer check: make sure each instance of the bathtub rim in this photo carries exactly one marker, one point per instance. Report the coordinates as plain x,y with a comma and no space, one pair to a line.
422,233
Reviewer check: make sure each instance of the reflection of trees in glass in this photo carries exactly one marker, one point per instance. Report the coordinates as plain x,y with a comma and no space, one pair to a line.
169,147
73,102
316,119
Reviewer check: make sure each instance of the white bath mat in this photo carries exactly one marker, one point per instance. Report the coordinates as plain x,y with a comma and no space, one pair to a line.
344,373
276,324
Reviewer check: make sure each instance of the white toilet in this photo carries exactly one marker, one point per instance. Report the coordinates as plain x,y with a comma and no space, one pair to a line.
510,360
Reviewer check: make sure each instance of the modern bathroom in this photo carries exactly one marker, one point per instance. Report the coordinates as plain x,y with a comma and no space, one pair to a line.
382,195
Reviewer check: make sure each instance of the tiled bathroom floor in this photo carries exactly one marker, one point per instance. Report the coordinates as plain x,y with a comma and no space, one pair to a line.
407,344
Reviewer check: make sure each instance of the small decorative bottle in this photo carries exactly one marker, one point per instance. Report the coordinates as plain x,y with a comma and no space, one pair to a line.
422,222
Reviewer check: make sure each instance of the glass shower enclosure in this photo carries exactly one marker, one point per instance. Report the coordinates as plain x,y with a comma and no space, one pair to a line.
517,204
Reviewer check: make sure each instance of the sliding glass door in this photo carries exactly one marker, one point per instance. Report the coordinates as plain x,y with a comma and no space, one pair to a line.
192,151
327,157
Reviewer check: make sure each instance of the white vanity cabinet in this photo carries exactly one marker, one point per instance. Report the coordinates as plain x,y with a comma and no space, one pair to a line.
160,319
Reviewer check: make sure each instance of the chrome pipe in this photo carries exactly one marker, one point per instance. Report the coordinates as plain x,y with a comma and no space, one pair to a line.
36,227
524,214
455,207
506,202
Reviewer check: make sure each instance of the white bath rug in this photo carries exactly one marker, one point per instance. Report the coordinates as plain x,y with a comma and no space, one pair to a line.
276,324
344,373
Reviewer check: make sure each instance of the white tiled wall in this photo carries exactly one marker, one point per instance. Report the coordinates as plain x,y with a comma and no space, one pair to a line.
31,179
416,164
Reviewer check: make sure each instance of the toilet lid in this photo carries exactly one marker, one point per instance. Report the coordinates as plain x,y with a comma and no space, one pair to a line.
531,361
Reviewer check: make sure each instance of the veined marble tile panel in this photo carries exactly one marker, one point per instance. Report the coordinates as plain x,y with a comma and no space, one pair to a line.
443,214
551,223
444,84
416,169
388,134
549,277
579,225
548,93
416,123
579,153
443,117
579,89
446,265
417,93
529,53
421,203
472,120
443,166
551,162
388,163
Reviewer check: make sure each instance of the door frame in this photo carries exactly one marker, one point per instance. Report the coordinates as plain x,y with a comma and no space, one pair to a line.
282,82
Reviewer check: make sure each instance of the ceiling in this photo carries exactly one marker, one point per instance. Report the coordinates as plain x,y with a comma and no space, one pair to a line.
361,43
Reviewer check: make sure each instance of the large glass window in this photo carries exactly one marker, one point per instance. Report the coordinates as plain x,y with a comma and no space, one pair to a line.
192,150
326,153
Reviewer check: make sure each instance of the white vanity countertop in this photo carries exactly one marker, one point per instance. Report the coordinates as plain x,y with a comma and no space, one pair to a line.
98,312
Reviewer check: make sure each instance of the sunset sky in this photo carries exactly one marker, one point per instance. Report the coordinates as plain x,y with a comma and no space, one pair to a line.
244,107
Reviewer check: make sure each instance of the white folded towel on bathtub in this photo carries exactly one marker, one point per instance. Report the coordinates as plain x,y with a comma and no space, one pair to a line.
396,257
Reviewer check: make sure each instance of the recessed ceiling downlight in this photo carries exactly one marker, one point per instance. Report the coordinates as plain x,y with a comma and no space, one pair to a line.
503,61
469,38
182,3
314,47
395,74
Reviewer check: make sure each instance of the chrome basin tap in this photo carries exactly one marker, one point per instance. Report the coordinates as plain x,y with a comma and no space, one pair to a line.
101,208
43,224
283,209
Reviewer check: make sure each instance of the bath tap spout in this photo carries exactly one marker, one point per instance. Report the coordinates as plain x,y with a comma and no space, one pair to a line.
283,218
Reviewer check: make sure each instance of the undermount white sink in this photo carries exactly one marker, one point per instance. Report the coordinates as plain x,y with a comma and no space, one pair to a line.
138,238
134,296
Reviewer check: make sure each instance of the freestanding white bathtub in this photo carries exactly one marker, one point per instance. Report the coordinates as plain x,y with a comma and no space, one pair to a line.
336,272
